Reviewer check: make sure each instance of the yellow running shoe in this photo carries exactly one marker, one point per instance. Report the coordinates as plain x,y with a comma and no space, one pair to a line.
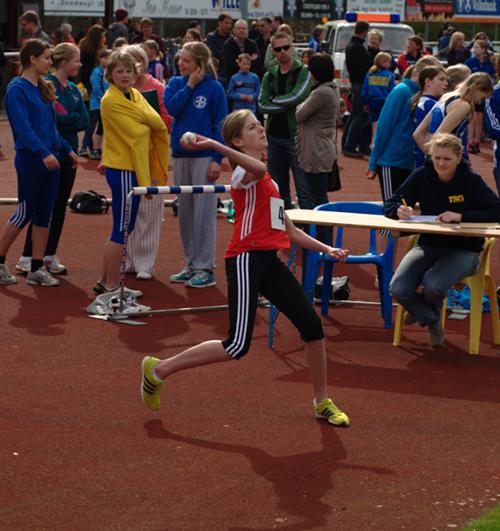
150,386
326,409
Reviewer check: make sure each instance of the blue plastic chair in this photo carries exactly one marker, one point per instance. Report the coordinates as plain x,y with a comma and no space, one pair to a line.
383,261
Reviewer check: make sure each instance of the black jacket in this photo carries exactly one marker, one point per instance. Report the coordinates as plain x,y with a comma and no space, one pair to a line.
215,41
231,52
357,59
466,194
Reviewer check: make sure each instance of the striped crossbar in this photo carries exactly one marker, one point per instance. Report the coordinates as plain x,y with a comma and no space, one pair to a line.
205,189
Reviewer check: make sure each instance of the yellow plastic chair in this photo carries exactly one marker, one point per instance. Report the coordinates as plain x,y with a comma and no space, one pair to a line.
480,283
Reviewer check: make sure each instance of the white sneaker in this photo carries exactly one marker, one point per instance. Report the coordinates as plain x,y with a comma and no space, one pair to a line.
6,277
144,275
41,277
23,265
54,266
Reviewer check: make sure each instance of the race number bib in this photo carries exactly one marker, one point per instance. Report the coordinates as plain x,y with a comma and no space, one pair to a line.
277,207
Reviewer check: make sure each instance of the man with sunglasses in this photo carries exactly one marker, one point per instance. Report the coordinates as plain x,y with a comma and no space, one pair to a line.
283,88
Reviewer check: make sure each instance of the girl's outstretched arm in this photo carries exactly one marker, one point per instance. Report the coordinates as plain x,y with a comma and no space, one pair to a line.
254,167
300,238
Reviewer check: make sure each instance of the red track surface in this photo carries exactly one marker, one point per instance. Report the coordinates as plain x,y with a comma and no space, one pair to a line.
235,446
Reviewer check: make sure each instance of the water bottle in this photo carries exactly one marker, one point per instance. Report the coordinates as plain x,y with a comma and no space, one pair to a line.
230,211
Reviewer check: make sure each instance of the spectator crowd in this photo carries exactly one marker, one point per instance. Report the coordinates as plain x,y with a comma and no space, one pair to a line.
120,96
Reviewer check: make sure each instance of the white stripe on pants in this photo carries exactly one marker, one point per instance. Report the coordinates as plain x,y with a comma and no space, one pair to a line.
197,213
144,241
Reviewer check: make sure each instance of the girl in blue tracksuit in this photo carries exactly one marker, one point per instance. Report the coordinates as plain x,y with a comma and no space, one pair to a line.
29,103
432,82
453,111
492,121
377,84
244,86
197,102
99,87
71,117
392,157
479,62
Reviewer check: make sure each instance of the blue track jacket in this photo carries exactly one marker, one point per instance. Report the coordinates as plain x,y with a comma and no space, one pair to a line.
492,120
99,87
393,144
246,83
377,86
200,110
33,121
485,66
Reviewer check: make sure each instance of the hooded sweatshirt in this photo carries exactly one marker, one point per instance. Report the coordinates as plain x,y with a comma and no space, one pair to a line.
393,145
199,110
33,120
466,194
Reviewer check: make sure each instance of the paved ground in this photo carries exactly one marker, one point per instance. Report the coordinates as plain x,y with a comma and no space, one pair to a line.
235,446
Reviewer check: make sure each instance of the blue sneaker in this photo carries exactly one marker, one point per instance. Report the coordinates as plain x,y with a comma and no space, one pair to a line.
182,277
201,279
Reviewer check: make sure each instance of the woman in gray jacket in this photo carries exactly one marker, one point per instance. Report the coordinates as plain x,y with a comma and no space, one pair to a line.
316,136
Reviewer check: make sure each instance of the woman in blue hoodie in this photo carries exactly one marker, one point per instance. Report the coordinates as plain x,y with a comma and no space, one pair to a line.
392,157
197,102
71,117
29,103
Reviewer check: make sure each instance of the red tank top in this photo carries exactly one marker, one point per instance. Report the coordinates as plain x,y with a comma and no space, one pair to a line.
252,203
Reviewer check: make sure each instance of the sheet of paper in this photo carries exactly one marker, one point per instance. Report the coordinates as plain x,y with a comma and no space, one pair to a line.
420,219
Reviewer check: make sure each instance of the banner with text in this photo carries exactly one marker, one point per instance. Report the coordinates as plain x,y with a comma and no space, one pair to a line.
382,6
199,8
314,9
477,11
74,8
209,9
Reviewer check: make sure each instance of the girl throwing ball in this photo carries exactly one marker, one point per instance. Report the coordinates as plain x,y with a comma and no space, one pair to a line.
252,266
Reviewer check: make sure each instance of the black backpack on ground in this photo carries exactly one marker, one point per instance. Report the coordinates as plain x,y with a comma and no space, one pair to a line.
89,202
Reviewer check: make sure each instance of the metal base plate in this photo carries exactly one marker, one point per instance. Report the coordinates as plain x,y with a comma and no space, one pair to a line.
120,319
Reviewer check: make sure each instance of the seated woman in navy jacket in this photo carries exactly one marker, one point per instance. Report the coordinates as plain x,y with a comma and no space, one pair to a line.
447,188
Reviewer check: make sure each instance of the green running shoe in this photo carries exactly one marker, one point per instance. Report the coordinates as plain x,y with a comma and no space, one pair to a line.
150,387
329,411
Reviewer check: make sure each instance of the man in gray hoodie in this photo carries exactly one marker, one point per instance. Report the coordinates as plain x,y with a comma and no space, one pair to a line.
119,27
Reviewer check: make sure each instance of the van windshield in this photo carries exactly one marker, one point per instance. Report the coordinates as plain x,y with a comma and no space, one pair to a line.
395,37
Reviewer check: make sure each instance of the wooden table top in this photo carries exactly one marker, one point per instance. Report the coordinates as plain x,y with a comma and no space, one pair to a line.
373,221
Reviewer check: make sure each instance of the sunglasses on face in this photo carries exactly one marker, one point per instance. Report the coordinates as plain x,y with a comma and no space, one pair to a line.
279,49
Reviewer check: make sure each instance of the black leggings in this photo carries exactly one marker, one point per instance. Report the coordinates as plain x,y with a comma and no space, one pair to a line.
251,273
66,182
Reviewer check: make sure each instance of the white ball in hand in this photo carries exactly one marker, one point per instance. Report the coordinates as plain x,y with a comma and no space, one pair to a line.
188,138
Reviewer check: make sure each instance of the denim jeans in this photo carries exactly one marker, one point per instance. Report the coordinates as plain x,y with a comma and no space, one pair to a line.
281,157
436,270
358,129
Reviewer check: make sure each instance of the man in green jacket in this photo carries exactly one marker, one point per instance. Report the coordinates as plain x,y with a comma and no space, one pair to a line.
283,88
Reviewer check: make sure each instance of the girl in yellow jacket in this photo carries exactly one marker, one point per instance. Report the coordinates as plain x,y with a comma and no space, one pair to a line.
135,154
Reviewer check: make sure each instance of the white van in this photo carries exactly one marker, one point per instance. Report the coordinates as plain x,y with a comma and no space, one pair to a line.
339,33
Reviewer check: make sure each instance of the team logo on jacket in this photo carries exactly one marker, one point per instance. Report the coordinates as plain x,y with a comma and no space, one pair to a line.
200,102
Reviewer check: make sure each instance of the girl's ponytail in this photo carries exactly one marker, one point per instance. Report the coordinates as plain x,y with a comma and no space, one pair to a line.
47,91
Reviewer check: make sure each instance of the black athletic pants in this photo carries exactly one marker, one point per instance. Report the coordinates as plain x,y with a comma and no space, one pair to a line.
251,273
66,182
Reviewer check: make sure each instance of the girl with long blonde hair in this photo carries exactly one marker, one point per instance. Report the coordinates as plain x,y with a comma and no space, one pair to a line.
454,111
197,102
